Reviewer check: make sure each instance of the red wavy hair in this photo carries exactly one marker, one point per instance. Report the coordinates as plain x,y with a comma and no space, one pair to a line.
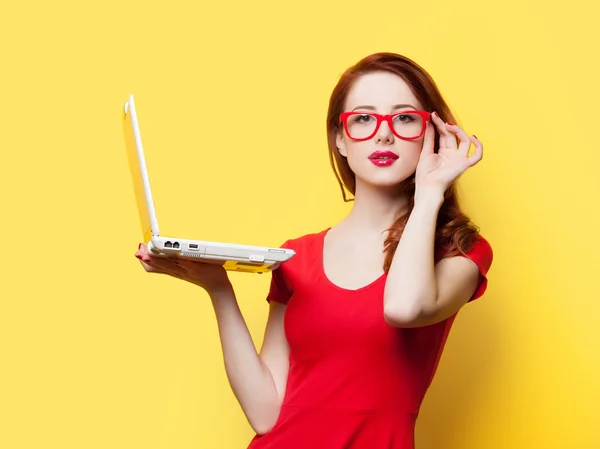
455,233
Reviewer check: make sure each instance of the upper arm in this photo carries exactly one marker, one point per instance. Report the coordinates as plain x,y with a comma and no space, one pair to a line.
460,279
275,350
457,280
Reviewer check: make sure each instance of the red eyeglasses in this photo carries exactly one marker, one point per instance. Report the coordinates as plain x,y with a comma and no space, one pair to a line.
406,125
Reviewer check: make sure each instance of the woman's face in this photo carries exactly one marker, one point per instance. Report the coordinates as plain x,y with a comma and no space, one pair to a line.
384,159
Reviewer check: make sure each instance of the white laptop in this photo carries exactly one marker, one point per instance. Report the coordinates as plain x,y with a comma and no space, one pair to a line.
233,257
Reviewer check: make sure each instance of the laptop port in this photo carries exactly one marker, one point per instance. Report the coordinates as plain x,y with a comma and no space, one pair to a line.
168,245
176,245
193,247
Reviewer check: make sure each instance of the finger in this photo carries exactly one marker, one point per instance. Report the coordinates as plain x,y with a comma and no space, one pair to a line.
138,253
142,250
478,153
168,266
159,264
149,268
429,139
146,255
447,139
465,141
143,254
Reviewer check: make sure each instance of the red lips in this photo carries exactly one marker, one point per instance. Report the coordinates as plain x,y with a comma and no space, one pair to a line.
383,155
383,158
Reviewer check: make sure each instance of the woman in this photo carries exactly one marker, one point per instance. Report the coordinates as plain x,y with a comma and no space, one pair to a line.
368,303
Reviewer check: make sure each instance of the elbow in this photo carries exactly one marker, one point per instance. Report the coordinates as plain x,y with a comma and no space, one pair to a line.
263,424
396,317
261,428
410,315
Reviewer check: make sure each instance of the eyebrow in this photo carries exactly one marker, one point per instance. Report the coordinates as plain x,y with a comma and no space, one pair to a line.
372,108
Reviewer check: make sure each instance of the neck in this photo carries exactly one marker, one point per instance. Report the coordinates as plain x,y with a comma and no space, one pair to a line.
376,208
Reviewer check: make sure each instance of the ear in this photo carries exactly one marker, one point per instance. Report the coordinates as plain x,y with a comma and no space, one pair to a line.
341,146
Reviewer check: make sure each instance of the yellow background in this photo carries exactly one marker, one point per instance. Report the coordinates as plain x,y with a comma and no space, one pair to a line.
232,96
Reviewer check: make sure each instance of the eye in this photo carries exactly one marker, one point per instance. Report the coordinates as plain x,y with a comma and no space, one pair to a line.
404,118
362,118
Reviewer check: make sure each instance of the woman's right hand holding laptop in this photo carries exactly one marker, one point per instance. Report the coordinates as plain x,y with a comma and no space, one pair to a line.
212,278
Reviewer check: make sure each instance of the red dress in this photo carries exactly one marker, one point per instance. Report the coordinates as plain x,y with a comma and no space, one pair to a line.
354,381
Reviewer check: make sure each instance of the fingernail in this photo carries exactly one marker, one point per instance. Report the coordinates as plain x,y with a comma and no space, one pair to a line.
450,124
475,136
138,256
139,246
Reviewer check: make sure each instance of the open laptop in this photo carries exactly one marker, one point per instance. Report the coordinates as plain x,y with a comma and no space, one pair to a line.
233,257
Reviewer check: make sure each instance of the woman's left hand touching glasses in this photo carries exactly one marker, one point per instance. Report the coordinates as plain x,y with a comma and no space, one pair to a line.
436,171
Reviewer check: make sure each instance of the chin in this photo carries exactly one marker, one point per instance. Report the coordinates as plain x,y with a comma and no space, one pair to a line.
383,177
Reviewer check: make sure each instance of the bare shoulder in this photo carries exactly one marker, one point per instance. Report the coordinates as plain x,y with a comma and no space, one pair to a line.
304,240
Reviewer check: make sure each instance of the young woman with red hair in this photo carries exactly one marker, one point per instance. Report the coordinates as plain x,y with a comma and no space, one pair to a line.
359,317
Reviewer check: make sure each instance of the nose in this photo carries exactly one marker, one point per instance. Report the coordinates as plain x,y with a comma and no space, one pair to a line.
384,133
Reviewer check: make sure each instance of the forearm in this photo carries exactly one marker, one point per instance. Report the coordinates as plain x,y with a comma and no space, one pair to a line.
411,287
250,378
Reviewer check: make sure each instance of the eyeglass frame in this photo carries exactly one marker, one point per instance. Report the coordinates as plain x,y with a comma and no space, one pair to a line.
384,117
